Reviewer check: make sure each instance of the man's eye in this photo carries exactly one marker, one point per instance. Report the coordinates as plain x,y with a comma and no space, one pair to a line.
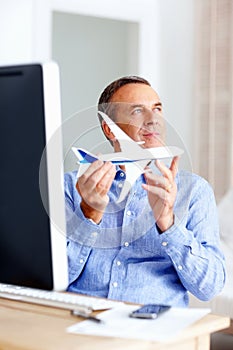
137,110
158,109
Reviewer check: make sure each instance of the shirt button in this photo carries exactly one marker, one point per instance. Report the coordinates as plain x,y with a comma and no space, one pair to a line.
81,261
120,185
180,267
164,244
118,263
122,174
94,234
128,212
115,284
126,244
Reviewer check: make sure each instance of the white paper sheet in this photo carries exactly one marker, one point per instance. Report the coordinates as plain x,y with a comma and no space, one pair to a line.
117,323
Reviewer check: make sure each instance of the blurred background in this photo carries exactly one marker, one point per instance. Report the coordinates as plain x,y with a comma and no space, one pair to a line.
183,47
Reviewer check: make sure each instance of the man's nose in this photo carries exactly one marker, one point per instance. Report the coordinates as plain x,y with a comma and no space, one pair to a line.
150,118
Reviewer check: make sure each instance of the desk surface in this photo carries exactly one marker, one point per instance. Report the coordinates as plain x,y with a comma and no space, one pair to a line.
27,326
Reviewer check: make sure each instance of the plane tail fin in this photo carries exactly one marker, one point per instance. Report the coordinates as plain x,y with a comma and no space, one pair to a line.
126,143
84,156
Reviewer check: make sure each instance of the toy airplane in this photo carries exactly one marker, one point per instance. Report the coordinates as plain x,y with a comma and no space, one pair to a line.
132,156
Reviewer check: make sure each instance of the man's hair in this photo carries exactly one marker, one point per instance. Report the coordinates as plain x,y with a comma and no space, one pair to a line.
104,103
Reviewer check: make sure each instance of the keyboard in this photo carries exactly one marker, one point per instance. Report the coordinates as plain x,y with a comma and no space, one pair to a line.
71,301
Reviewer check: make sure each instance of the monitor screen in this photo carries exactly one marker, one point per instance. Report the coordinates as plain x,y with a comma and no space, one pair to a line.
32,227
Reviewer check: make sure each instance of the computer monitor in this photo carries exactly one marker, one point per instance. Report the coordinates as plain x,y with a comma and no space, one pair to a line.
32,214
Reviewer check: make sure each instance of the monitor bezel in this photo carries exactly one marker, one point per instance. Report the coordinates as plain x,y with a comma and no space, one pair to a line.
55,173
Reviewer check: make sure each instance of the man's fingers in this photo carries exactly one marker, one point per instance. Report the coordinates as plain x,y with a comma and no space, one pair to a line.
95,173
94,185
164,170
174,166
158,191
105,182
169,173
159,181
90,170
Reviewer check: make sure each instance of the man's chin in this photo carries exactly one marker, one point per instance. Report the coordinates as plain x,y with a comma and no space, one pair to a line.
153,144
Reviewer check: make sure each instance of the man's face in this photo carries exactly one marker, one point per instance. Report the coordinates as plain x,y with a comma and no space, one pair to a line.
138,112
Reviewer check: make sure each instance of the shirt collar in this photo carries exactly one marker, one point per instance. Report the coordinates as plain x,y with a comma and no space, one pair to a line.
120,174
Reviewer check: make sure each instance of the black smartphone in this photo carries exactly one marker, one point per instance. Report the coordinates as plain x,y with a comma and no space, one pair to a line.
150,311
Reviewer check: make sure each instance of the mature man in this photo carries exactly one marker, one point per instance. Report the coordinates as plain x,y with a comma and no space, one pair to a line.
162,240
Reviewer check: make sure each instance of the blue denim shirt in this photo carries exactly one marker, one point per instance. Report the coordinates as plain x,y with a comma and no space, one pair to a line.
126,258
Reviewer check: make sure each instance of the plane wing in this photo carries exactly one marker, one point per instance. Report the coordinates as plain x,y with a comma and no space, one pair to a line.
132,156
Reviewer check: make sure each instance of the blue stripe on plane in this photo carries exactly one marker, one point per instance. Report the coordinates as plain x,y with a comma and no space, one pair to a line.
88,158
122,161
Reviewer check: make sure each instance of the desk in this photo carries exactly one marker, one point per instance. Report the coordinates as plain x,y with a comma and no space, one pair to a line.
27,326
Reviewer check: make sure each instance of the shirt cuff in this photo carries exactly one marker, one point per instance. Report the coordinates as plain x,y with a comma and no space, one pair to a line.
177,234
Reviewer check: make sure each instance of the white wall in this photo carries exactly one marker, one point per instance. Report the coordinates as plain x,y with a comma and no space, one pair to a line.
16,31
177,73
91,52
165,42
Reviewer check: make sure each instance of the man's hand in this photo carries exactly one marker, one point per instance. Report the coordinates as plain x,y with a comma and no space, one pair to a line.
162,192
93,187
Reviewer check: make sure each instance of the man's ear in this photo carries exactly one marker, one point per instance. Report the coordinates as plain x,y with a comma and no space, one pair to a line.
107,131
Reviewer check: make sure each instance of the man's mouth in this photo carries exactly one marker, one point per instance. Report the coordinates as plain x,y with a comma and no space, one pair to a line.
151,134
